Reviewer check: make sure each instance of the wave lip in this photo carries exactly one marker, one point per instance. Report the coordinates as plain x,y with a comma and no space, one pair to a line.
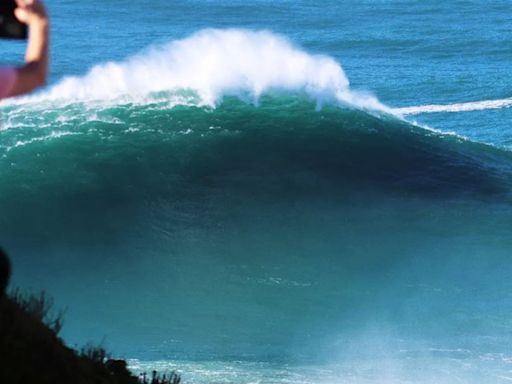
214,63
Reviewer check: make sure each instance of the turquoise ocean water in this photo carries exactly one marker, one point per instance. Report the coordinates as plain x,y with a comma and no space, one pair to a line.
271,191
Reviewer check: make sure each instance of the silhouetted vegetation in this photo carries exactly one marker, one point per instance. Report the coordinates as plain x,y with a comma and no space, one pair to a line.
5,271
171,378
40,307
32,352
95,354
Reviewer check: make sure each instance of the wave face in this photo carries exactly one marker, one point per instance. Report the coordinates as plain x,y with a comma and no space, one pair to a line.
182,222
229,231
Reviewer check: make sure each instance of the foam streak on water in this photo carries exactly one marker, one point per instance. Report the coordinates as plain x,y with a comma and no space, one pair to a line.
457,107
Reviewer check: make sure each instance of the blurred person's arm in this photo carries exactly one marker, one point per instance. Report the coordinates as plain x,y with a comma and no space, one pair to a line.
35,71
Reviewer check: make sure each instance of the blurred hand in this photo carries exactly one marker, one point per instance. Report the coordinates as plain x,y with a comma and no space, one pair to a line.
31,12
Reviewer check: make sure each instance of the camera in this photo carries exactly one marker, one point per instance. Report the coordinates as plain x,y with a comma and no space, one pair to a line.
10,27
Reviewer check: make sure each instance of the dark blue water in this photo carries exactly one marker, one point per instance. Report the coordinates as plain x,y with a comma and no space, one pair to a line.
236,190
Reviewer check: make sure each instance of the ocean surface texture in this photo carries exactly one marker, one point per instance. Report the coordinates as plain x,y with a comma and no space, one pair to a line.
275,192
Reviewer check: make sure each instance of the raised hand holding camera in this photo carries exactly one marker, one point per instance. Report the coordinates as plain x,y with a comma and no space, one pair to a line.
31,14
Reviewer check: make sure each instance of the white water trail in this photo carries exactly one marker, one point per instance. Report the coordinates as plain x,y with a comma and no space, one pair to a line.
211,64
457,107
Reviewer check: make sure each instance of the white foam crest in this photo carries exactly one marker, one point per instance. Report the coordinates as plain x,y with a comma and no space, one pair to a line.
457,107
214,63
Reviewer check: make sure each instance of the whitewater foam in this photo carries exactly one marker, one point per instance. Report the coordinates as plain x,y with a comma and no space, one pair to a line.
422,367
214,63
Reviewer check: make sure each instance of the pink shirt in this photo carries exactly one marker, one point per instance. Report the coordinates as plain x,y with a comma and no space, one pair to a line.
7,80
